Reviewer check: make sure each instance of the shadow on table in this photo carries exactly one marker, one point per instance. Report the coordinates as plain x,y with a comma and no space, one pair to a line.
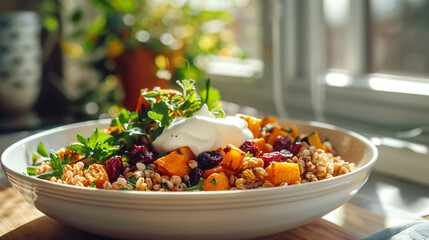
47,228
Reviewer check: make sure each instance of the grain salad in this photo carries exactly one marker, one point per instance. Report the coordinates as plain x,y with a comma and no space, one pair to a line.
182,141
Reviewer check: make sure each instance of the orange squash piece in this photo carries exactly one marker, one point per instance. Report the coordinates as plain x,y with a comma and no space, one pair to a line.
283,172
276,132
269,120
232,157
218,169
314,140
96,173
173,164
261,145
217,182
187,153
254,125
294,132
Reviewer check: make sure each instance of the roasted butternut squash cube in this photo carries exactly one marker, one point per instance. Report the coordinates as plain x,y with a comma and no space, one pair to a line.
232,157
294,131
217,182
173,164
254,125
283,172
261,145
218,169
269,120
187,152
276,133
314,140
96,173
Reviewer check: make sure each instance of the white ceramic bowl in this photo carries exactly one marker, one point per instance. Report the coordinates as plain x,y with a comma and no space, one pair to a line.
188,215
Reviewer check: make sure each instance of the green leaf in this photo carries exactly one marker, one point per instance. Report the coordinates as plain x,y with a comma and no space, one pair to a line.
77,148
76,16
97,137
32,170
218,113
213,181
82,139
160,114
124,116
196,187
66,159
187,104
132,181
49,174
296,139
126,189
211,97
165,186
151,95
155,132
188,86
288,131
42,150
56,162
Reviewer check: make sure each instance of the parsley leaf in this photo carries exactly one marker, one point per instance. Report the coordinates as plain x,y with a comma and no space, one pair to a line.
32,170
42,150
213,181
196,187
98,146
56,162
132,181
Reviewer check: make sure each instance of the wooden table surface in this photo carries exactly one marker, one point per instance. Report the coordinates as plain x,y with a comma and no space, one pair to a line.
20,220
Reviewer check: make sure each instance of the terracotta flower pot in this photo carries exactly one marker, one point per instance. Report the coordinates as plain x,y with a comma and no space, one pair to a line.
136,69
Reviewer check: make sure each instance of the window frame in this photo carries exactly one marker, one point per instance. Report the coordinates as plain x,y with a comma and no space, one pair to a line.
299,73
355,103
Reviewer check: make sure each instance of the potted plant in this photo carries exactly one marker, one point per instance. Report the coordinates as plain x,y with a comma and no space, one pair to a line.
147,43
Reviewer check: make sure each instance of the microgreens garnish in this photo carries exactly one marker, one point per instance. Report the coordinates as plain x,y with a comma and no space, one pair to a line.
166,106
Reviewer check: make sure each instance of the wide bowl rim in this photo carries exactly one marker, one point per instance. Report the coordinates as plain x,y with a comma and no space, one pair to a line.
316,186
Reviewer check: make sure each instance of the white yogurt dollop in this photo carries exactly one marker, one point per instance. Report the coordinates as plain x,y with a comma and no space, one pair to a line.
203,132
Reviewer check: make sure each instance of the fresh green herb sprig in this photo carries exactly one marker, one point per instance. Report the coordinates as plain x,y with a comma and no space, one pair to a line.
57,166
169,107
130,129
196,187
99,146
165,108
42,156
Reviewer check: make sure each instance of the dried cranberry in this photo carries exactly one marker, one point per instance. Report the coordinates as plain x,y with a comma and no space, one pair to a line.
281,143
271,157
114,168
195,176
207,160
295,147
140,153
250,146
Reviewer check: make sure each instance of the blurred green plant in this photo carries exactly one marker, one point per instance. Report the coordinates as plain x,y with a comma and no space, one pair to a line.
109,28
